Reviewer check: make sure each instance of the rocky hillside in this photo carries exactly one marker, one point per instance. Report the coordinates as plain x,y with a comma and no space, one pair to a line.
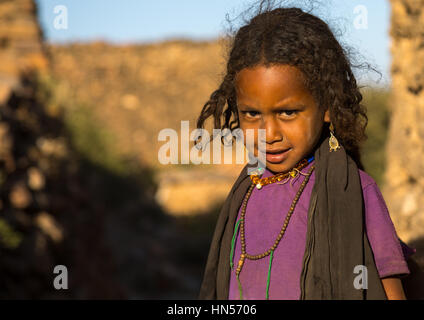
138,90
134,92
65,200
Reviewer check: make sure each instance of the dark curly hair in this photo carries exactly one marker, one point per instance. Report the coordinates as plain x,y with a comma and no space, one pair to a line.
293,37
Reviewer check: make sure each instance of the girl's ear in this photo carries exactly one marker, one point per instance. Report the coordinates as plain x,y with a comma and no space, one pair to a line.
327,116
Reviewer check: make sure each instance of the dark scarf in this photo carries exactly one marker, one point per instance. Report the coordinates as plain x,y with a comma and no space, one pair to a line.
336,239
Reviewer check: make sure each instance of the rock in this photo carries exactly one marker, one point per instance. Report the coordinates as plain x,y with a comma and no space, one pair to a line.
35,178
21,48
5,147
49,226
130,101
404,187
19,196
52,147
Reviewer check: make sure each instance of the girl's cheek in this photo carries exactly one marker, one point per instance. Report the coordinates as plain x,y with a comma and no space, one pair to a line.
308,128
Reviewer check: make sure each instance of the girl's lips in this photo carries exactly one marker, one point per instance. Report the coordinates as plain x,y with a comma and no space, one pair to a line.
277,157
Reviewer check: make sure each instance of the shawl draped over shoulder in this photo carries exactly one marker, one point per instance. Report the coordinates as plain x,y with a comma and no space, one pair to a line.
336,240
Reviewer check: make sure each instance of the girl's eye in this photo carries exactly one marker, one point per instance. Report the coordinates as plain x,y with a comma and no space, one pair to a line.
289,113
250,114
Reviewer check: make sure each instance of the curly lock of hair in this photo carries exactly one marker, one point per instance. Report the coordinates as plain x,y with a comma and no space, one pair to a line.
293,37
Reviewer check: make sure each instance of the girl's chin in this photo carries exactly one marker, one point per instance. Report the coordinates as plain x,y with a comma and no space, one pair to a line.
282,167
278,168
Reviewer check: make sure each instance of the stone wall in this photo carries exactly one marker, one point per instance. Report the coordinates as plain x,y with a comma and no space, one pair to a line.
21,48
404,189
59,208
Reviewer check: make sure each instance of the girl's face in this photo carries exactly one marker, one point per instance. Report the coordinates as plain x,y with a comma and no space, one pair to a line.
275,99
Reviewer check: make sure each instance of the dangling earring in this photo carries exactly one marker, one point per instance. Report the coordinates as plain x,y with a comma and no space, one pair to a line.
333,142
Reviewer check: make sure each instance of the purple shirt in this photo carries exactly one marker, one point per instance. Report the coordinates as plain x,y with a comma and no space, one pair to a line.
266,211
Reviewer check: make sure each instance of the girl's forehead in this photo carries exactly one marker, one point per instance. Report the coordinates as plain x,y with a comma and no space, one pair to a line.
274,80
272,68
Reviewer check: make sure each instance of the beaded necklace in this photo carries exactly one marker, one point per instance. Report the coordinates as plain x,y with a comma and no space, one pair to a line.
279,176
241,222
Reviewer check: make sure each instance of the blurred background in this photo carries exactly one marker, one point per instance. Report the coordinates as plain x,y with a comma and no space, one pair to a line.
86,87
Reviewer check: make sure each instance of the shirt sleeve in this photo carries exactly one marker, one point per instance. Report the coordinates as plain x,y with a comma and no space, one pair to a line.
385,244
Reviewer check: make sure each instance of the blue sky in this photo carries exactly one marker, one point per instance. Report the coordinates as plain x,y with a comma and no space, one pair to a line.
129,21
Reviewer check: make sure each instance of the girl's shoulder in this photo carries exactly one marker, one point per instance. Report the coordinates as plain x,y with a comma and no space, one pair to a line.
380,228
366,180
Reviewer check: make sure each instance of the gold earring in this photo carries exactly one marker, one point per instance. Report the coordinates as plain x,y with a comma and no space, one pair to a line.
333,142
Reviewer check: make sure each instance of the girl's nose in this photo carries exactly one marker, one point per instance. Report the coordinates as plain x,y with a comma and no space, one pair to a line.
272,130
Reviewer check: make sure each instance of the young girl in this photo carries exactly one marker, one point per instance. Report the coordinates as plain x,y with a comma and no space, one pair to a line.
313,224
